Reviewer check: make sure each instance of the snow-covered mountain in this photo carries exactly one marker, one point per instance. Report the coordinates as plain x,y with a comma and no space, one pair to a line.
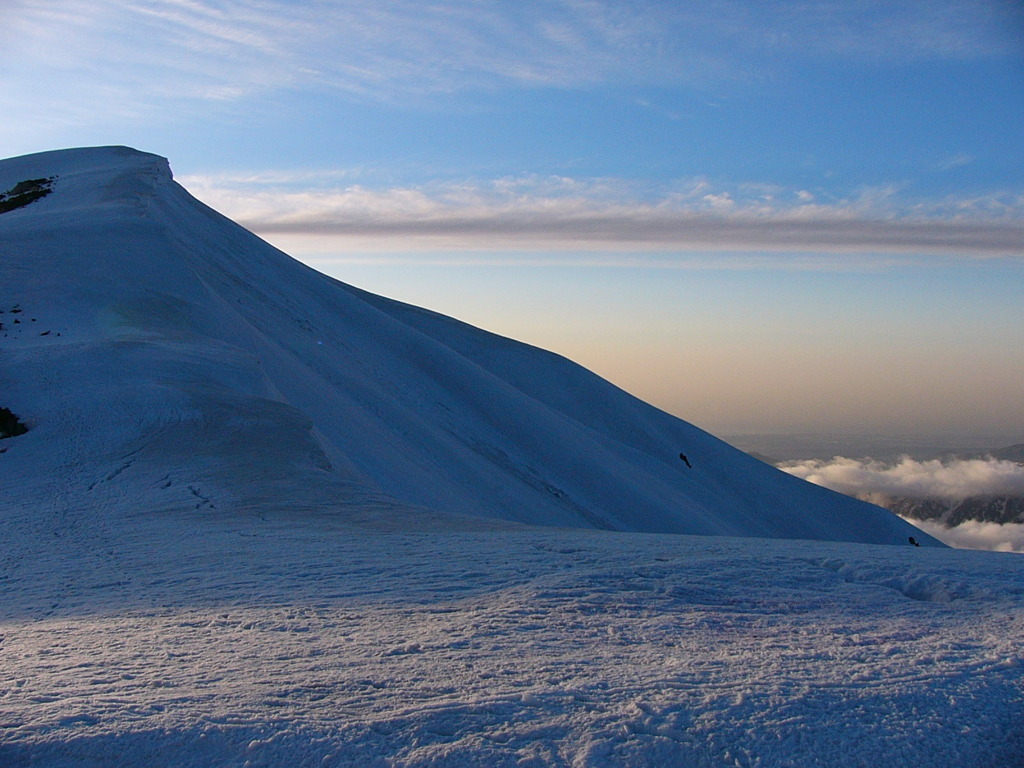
165,359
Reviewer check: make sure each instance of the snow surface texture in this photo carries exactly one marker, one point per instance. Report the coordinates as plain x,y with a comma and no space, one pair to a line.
261,518
231,641
167,359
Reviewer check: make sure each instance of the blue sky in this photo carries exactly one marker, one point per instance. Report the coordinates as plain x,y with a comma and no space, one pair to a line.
800,216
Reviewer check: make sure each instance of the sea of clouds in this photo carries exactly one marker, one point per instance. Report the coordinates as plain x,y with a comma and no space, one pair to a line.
976,534
948,480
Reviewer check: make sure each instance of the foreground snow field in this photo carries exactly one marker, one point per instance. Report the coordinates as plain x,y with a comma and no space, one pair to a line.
234,641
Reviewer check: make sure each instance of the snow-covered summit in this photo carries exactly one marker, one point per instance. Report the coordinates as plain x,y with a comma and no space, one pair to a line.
168,361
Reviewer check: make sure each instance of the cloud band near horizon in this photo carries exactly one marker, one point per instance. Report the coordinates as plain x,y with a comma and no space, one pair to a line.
949,480
594,216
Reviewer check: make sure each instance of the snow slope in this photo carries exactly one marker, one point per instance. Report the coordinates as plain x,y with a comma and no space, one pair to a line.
168,360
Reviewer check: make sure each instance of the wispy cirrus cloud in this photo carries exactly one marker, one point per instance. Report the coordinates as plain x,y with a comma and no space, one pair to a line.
384,50
558,211
887,31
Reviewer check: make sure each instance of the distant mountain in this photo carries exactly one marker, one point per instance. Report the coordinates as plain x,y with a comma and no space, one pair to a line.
1014,453
1010,453
168,362
801,447
762,457
987,509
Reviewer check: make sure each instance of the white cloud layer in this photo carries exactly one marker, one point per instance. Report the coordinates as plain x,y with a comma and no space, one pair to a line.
948,480
975,534
560,212
878,482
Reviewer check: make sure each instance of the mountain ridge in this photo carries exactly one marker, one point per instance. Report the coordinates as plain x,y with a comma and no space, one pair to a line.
191,366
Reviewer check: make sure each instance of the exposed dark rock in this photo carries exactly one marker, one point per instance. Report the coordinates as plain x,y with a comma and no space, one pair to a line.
10,425
25,192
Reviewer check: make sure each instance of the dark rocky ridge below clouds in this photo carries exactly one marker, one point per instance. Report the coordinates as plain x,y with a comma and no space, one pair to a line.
986,509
